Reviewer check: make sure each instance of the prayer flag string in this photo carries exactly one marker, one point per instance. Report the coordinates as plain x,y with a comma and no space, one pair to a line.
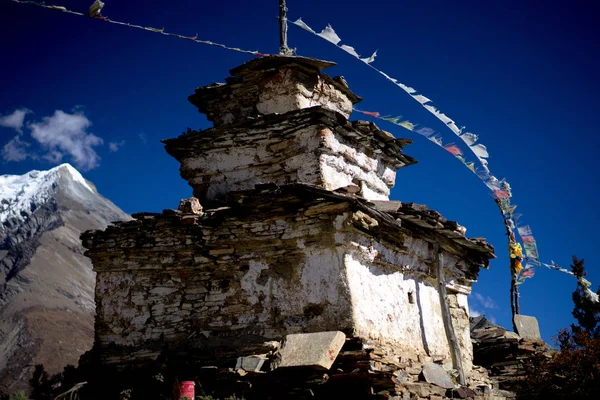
500,188
95,13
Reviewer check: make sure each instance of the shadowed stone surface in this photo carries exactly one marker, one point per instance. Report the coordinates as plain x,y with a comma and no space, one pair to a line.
251,364
316,350
527,327
437,375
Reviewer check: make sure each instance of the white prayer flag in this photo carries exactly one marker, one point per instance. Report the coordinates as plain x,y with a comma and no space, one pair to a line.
329,34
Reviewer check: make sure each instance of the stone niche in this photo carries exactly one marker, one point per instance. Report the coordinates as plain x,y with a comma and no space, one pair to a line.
280,120
279,260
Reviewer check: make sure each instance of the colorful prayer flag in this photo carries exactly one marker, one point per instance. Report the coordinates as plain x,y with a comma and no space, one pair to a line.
407,124
436,139
501,194
527,239
371,113
528,272
453,149
531,250
393,120
524,230
425,131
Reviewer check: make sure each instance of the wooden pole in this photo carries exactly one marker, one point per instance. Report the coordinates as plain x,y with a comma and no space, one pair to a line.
447,317
514,289
283,47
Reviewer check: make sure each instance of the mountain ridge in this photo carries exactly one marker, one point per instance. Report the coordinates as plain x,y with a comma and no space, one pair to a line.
46,283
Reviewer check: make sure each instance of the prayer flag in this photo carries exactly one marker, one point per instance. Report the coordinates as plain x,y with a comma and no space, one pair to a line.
393,120
524,230
350,50
369,60
329,34
407,124
371,113
527,239
531,250
453,149
302,25
469,138
425,131
501,194
421,99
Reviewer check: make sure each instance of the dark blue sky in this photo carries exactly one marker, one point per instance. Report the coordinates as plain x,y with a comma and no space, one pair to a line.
522,75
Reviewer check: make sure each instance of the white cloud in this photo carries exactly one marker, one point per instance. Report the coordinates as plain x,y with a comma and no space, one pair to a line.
15,120
55,157
115,146
66,134
476,312
16,150
485,301
143,138
473,312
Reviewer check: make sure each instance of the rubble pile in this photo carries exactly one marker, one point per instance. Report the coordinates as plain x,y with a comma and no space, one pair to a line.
357,370
503,352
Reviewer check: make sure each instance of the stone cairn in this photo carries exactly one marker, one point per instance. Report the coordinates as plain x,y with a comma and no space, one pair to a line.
290,274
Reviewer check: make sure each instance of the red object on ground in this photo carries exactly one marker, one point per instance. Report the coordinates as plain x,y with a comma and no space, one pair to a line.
184,390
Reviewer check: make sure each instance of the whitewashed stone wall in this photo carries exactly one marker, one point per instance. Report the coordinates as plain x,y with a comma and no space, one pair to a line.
306,146
236,278
283,92
396,303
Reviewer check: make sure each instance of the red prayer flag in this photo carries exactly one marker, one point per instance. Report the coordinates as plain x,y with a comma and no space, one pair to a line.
501,194
453,149
528,273
372,113
527,239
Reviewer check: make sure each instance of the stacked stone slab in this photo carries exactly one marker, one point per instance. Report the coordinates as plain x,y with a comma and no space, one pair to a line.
294,233
505,353
279,120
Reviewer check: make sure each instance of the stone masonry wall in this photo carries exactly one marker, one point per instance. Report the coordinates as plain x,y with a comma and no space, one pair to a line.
234,278
308,146
273,86
163,283
396,302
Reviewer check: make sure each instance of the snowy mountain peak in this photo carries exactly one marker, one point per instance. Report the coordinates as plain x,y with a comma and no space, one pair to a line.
20,195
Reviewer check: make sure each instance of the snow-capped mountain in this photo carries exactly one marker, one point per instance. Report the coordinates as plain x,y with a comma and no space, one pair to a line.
46,284
21,194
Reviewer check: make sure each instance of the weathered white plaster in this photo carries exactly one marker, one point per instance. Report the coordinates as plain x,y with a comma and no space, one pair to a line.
319,281
283,93
382,292
343,165
307,271
311,155
382,311
249,282
463,331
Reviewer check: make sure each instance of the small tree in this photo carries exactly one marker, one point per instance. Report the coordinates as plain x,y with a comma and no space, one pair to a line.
586,311
574,371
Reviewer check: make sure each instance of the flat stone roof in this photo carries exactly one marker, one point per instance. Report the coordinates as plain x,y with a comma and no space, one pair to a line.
388,220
